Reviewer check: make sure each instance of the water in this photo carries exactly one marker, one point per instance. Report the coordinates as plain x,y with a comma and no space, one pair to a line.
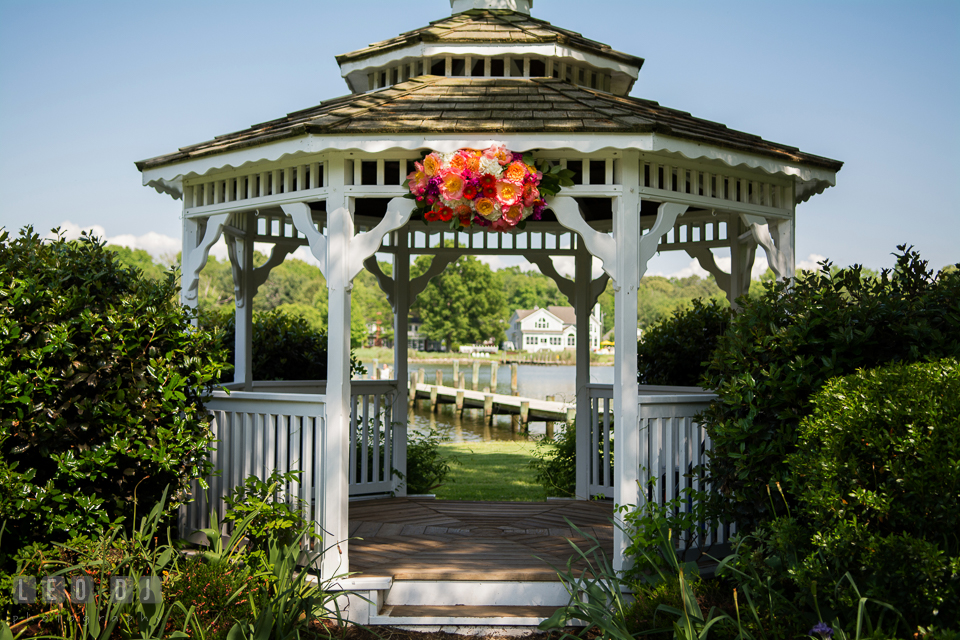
532,381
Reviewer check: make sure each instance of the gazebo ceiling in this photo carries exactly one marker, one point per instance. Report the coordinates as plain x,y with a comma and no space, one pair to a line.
432,104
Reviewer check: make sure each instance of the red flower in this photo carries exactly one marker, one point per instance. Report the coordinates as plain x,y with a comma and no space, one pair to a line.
490,192
445,214
469,192
488,180
431,216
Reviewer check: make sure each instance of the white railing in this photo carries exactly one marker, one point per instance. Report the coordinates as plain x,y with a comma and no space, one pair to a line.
600,460
672,445
256,433
374,437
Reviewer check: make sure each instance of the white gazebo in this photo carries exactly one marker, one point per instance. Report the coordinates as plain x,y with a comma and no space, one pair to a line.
647,179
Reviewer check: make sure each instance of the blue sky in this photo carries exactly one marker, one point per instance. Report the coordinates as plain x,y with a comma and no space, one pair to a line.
87,88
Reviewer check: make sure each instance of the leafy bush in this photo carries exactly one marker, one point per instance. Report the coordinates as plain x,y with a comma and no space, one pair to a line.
285,346
427,468
784,345
555,461
276,514
675,349
878,476
101,385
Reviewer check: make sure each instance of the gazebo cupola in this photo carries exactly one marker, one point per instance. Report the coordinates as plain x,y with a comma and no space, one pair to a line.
490,39
646,178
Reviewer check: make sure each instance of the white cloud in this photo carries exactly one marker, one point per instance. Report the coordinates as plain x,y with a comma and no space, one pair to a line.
161,247
810,264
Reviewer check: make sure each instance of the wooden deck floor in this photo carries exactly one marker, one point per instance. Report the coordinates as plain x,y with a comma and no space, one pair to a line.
424,539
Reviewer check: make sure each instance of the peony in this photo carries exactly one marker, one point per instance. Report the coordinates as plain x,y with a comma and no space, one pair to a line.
515,172
417,182
487,208
432,164
452,186
508,193
514,214
529,193
458,163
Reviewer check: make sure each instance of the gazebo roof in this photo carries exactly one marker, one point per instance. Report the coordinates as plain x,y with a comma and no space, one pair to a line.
490,26
434,104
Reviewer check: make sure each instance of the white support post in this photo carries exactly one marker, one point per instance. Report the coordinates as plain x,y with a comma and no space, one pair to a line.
583,262
336,435
626,234
401,311
240,250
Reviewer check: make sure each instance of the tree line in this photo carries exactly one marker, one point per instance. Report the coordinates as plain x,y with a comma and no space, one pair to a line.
468,303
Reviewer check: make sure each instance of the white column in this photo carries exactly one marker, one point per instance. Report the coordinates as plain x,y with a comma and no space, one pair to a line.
336,437
626,232
401,311
242,258
583,262
191,238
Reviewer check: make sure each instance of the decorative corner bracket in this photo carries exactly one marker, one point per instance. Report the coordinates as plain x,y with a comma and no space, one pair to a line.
775,236
195,258
598,244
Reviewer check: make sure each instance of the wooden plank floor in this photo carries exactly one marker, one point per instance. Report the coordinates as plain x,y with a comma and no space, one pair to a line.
423,539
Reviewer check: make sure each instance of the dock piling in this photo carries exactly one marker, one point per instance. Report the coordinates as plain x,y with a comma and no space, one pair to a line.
413,387
456,370
439,378
488,408
514,388
460,402
524,414
493,375
433,399
476,375
462,382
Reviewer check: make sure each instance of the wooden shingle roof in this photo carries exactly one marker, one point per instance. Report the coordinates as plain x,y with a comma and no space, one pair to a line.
434,104
490,26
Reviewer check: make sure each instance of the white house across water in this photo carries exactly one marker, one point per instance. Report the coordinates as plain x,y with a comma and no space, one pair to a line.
648,178
551,329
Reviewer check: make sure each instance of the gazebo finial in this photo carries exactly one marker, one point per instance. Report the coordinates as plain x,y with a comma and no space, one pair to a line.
522,6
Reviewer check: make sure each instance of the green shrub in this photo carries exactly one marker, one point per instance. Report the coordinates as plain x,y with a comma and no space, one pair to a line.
277,515
101,385
555,461
675,349
783,346
285,346
878,476
221,592
426,466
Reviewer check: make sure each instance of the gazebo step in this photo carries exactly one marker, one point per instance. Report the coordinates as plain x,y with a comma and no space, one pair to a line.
462,615
470,593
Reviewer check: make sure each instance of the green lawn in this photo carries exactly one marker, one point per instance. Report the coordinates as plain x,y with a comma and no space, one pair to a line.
491,471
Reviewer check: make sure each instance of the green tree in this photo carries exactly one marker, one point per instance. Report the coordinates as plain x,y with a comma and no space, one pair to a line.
529,289
464,304
139,259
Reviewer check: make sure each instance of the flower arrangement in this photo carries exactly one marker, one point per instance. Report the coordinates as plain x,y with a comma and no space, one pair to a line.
493,187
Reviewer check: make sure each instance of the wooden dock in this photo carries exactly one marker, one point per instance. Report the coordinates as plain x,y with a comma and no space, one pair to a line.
494,404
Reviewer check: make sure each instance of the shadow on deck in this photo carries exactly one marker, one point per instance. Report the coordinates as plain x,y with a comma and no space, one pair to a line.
426,539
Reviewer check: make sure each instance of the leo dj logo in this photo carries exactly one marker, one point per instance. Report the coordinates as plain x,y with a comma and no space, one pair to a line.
53,589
